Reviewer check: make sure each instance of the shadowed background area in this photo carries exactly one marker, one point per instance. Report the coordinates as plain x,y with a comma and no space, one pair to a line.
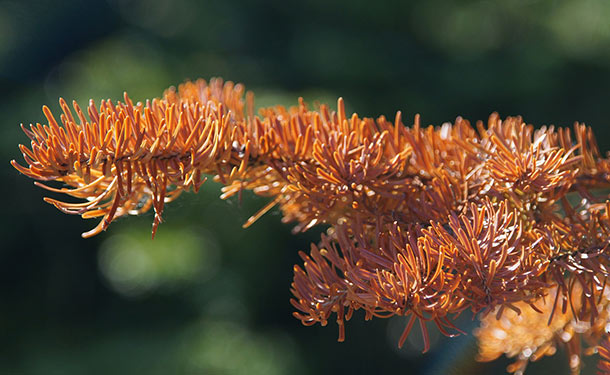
206,296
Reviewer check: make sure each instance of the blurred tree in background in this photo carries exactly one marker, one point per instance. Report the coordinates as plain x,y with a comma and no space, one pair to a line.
207,297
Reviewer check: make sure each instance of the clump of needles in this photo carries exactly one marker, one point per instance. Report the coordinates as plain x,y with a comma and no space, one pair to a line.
500,219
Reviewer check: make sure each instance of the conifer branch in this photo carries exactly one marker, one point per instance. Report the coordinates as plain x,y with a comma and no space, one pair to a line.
423,222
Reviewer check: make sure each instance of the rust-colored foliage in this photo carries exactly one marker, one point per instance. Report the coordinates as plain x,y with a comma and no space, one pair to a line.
423,222
604,353
533,334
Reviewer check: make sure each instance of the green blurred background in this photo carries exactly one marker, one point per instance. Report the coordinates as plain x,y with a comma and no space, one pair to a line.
207,297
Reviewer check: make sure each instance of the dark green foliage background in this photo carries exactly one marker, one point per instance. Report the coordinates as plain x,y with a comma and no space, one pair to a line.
207,297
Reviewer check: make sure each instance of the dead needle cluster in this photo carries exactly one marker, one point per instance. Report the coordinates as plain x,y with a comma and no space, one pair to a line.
423,222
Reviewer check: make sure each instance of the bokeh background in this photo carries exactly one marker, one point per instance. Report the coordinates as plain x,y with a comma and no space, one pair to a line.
206,296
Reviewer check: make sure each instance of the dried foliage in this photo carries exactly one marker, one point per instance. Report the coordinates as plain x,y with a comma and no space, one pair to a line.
533,334
604,353
424,222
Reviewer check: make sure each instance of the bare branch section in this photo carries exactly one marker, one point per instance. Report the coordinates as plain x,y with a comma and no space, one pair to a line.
423,222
